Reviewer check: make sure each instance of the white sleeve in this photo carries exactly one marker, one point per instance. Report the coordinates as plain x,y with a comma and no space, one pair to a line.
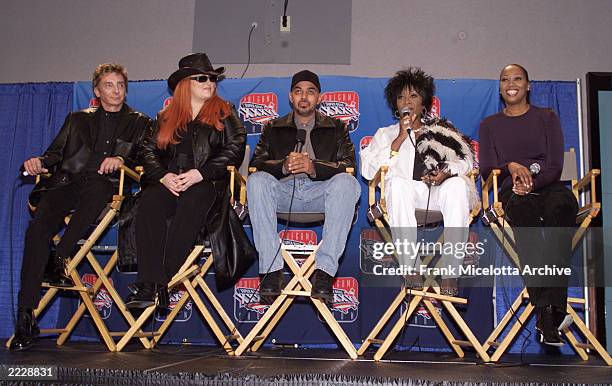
377,153
460,167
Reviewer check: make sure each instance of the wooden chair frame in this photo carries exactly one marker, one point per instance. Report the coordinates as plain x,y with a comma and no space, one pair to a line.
191,276
431,290
503,232
88,295
299,285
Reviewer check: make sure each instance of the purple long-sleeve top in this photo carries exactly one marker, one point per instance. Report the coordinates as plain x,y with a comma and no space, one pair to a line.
534,137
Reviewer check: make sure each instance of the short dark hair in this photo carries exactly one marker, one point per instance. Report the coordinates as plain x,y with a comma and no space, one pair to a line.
413,78
105,68
516,65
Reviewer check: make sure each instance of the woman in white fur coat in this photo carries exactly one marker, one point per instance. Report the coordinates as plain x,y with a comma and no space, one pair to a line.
433,177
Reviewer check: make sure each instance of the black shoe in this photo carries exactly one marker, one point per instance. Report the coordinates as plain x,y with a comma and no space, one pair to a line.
546,326
322,286
144,295
55,272
271,286
26,330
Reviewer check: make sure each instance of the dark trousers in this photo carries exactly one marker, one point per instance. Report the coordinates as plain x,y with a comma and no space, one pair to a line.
543,225
166,228
87,195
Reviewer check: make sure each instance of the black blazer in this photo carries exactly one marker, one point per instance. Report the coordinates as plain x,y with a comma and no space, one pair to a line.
334,151
73,145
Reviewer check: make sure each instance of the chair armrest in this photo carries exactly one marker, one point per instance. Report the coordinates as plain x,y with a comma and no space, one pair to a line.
123,170
378,179
133,174
490,184
588,182
235,174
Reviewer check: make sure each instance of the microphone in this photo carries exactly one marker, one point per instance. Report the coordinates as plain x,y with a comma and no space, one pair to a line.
534,168
300,139
181,162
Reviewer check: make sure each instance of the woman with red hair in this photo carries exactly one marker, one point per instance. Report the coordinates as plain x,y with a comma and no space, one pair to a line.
185,156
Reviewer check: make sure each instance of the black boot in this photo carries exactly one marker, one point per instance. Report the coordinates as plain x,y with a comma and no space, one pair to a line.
55,272
546,326
271,286
322,286
145,295
26,330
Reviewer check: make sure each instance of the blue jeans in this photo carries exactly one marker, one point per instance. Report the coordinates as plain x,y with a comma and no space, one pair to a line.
335,197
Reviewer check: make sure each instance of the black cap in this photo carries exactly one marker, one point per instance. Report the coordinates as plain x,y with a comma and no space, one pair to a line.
308,76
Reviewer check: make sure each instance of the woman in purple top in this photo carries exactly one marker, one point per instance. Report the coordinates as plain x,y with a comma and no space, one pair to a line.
526,143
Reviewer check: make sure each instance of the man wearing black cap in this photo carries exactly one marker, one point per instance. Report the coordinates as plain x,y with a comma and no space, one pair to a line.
84,156
312,179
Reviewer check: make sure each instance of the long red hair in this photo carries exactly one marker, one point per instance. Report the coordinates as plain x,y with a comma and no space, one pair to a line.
175,117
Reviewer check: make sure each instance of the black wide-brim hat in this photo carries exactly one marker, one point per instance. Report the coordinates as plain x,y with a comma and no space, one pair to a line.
193,64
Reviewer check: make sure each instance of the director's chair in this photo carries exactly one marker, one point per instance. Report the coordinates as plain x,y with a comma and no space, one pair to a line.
299,285
431,290
503,232
88,295
191,276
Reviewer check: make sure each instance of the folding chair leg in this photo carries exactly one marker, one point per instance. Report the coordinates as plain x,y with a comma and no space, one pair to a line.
443,327
396,328
501,326
509,338
282,310
450,307
220,311
382,322
591,339
95,316
134,328
102,280
209,318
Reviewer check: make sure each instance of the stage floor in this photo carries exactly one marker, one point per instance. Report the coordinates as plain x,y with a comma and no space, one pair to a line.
90,363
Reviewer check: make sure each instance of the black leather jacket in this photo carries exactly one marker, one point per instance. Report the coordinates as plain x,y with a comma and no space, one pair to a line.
213,151
334,151
72,147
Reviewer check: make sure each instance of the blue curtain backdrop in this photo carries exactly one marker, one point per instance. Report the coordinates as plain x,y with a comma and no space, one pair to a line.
358,101
30,116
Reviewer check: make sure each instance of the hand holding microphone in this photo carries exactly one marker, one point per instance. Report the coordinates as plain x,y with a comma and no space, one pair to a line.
33,167
406,119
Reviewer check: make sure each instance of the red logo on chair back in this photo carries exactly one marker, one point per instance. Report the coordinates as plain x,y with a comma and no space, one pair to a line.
175,296
342,105
257,109
103,300
436,107
246,301
299,237
94,102
365,141
475,146
371,251
346,300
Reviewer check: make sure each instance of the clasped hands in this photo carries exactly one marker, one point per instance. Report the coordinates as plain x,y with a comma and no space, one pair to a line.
522,181
177,183
435,177
299,163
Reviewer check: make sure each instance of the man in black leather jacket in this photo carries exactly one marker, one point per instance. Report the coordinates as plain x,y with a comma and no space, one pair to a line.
311,178
83,158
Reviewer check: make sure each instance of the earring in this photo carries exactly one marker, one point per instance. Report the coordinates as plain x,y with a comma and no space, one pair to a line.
396,114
